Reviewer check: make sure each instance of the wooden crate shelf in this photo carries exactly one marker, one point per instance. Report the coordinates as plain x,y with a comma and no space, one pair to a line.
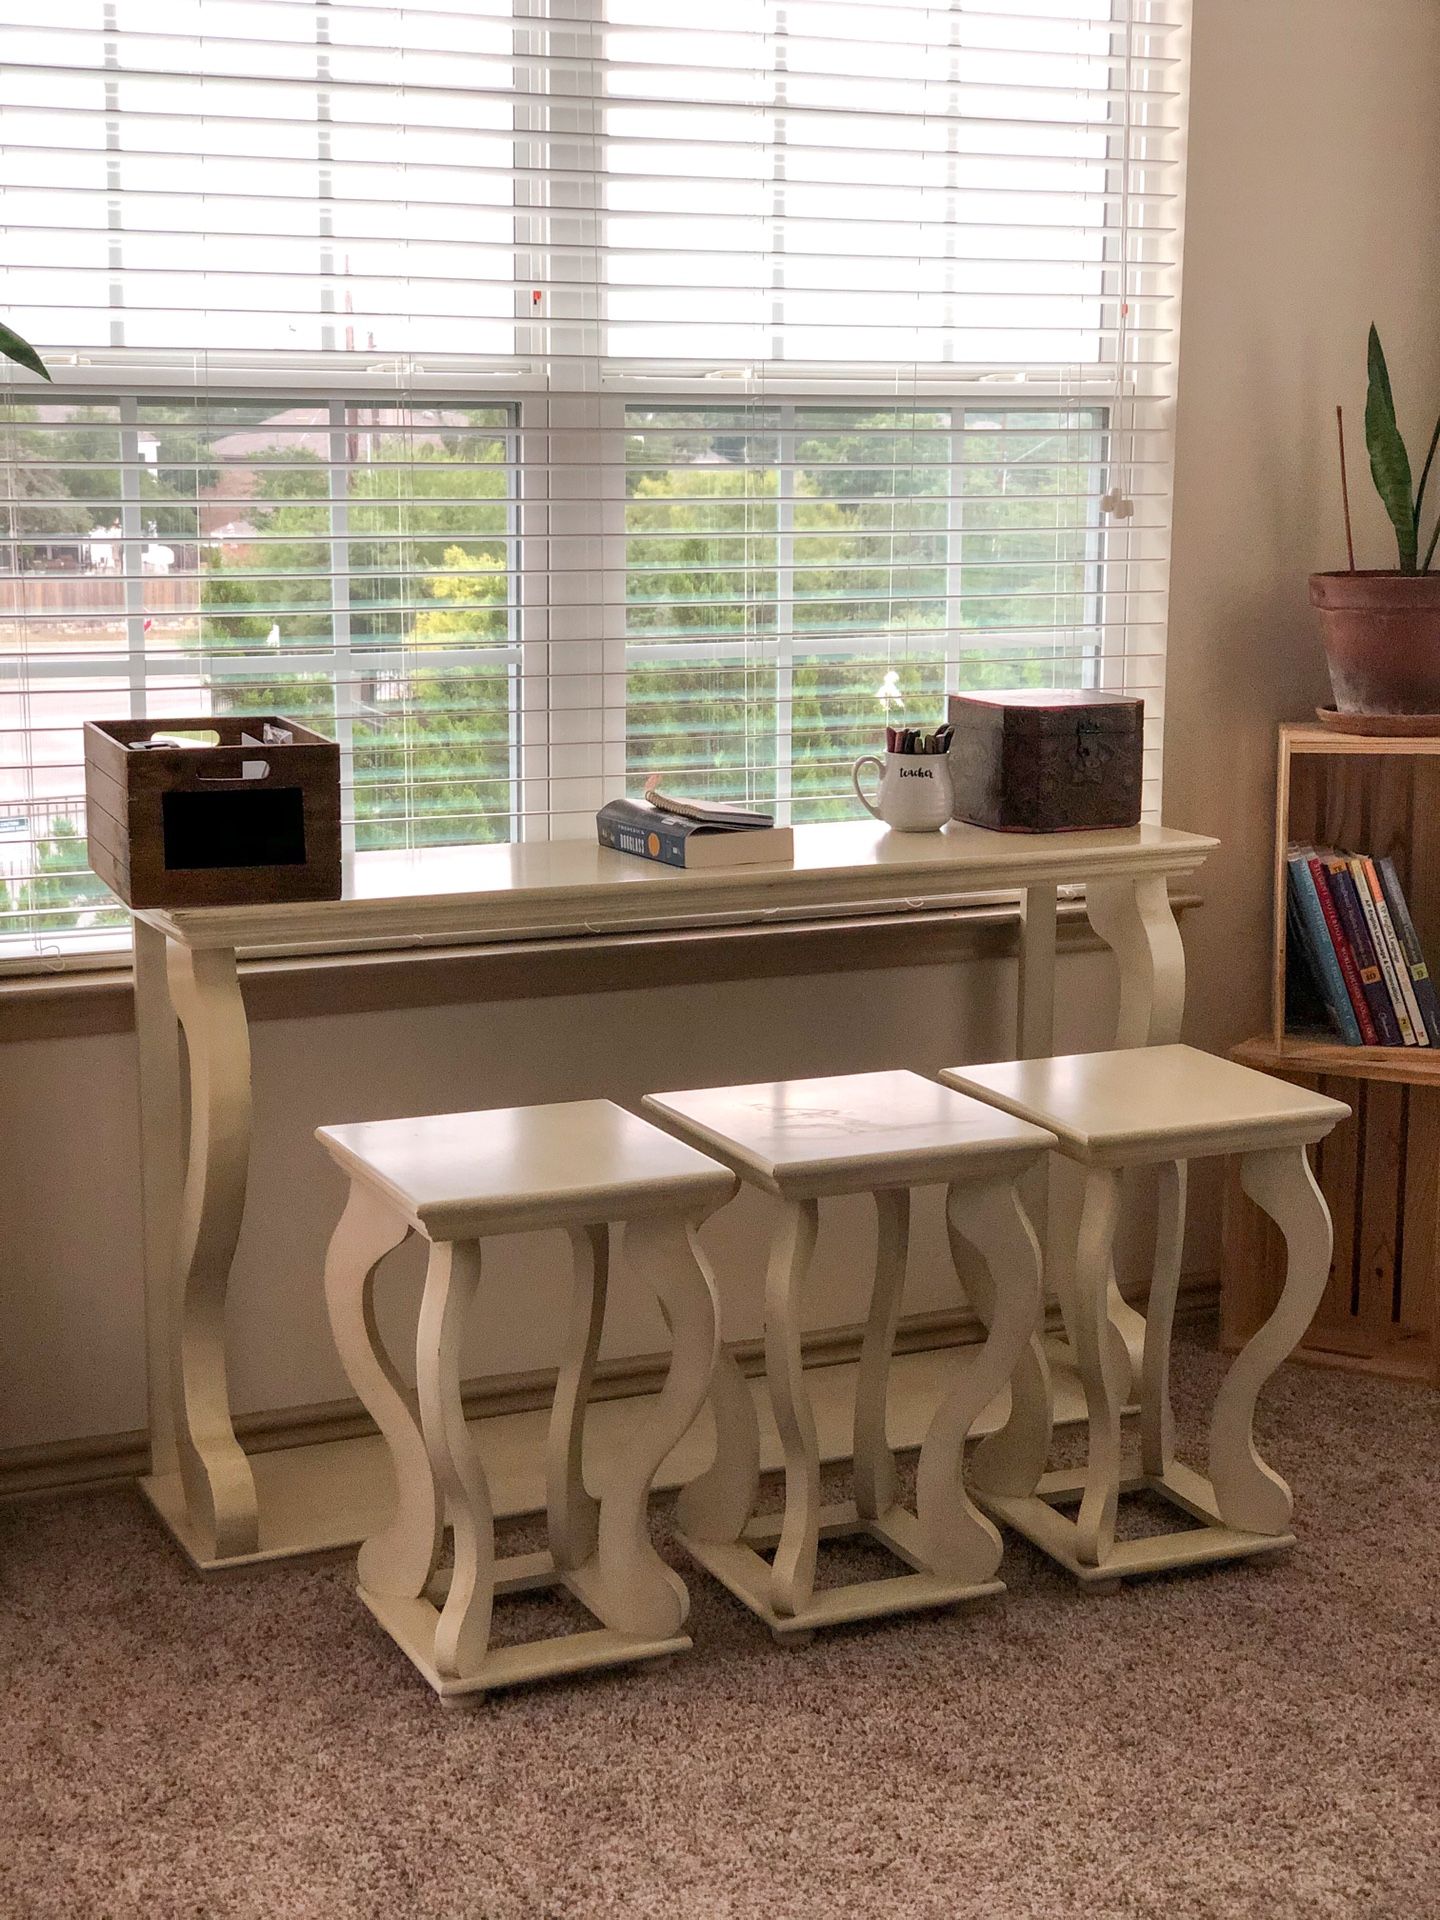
1380,1171
1367,795
1380,1174
1410,1066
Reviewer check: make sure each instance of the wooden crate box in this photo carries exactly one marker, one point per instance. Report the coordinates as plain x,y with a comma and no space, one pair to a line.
1380,1174
247,820
1367,794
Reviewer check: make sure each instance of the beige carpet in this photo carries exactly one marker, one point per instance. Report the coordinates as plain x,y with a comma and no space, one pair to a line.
1259,1740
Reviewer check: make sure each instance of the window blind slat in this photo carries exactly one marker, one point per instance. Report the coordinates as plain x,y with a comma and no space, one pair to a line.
537,393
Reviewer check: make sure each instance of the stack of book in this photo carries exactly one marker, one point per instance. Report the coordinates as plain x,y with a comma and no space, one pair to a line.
1355,962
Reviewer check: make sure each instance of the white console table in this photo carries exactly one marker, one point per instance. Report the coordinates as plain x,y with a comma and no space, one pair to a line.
201,1482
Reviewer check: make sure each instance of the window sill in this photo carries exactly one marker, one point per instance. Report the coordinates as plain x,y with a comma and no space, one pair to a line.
100,1000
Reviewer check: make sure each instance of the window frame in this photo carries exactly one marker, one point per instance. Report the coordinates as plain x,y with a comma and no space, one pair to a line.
568,651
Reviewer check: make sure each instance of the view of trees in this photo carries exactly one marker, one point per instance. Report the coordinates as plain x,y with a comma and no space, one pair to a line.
790,577
849,544
51,898
424,523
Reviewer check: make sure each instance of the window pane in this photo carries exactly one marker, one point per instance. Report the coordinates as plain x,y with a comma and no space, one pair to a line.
798,576
432,756
349,565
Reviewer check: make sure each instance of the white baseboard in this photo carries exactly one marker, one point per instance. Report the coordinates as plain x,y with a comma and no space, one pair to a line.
82,1465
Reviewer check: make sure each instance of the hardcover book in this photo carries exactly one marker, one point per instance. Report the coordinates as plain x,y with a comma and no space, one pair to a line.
1352,945
1392,958
634,826
1306,1012
1320,950
1345,958
1377,984
1419,972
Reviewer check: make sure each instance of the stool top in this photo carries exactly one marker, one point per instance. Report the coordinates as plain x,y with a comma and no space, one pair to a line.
512,1169
1152,1103
848,1133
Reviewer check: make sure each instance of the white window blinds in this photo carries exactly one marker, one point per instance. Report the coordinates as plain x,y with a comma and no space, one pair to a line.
540,393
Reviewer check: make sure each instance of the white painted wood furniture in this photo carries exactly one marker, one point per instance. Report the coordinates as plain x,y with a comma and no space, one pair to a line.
201,1481
1162,1107
881,1134
456,1179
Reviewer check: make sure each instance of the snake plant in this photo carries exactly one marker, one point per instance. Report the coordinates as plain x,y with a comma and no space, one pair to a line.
21,351
1390,465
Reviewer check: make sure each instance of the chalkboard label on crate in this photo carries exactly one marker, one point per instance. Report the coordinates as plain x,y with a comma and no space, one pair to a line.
265,829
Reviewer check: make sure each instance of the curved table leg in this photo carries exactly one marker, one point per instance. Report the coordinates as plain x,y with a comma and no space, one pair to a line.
1136,921
573,1514
161,1178
640,1593
219,1486
1248,1493
1157,1422
400,1560
462,1631
792,1575
1011,1460
1103,1369
959,1541
874,1462
717,1504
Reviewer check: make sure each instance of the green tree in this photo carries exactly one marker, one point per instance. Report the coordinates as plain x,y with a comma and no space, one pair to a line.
62,893
427,545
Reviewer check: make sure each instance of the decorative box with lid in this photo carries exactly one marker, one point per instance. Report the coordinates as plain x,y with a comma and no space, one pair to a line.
1047,760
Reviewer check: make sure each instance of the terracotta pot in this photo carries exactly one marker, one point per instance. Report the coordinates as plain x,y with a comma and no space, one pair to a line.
1382,639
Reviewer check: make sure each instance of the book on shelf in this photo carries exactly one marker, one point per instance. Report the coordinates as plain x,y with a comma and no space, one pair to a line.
677,840
1325,944
1409,940
1307,1011
1397,972
1357,955
1385,1029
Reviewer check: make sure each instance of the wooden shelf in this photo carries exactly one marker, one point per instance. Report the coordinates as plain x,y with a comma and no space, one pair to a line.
1311,737
1380,1174
1407,1066
1380,1169
1368,795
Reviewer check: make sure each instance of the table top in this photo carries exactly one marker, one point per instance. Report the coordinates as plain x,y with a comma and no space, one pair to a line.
509,1168
1162,1103
846,1132
537,889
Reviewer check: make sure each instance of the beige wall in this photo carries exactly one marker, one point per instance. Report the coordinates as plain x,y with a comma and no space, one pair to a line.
71,1330
1315,164
1314,184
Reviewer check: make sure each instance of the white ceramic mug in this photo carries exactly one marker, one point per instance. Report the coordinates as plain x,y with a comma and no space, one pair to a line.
915,795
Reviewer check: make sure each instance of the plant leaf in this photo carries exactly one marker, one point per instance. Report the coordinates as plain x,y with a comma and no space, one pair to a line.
1389,462
14,348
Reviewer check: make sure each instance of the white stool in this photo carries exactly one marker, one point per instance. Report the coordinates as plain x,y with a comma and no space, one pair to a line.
454,1179
1161,1106
876,1133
